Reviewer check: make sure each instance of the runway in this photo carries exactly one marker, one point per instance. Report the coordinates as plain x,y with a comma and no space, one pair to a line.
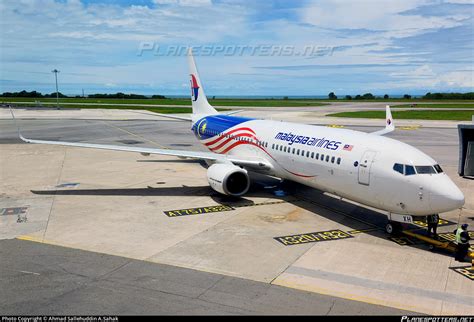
108,208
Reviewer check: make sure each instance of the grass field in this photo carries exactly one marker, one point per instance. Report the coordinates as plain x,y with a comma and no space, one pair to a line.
155,109
177,101
437,105
454,115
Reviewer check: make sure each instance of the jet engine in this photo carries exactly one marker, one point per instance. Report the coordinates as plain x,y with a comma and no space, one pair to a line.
228,179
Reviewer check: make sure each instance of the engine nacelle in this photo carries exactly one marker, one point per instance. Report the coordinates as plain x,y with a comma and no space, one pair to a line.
228,179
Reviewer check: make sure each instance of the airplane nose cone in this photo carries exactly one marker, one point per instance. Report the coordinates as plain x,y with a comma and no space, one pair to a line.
446,199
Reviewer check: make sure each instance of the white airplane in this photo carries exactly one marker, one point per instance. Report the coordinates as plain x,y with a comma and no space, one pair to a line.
364,167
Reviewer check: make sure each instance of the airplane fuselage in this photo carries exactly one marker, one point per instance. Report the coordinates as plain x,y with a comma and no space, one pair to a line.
373,170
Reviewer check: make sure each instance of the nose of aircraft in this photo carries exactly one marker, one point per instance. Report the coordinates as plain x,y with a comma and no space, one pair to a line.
446,197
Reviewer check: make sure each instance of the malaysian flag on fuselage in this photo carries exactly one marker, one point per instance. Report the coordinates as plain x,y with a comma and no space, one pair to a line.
223,133
347,147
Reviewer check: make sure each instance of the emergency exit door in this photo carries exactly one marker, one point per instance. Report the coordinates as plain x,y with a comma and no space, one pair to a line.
364,167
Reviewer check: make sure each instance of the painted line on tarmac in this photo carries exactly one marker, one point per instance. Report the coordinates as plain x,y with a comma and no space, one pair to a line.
217,208
135,135
409,127
197,211
467,271
319,236
360,231
379,285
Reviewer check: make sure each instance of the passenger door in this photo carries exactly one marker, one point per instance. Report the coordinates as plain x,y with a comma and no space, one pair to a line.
364,167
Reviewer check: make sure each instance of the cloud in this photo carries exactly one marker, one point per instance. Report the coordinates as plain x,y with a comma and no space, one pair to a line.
190,3
419,43
387,16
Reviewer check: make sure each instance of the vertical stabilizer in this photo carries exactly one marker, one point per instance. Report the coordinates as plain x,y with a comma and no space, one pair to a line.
201,106
389,126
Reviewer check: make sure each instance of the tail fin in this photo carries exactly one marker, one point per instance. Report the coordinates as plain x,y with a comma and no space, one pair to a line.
201,106
389,126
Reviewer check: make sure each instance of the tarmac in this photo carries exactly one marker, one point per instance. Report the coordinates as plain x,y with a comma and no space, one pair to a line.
96,221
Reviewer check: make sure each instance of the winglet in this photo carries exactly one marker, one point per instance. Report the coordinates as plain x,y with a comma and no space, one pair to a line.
17,126
389,125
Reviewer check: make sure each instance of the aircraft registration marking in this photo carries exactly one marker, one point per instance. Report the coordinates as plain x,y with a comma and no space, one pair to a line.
197,211
335,234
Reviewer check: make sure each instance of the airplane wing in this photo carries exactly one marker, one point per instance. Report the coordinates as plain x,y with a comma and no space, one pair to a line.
186,118
209,156
389,126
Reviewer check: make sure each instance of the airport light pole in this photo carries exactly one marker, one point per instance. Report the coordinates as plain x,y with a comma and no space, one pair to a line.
55,71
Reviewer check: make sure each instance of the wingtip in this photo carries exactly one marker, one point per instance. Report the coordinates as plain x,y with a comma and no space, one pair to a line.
17,126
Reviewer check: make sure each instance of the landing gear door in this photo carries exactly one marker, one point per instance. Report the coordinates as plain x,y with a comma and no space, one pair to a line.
364,167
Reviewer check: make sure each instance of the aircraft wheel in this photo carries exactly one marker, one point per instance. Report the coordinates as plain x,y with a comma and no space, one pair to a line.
392,227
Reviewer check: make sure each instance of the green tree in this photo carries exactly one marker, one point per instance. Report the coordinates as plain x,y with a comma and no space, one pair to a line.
348,97
332,96
386,96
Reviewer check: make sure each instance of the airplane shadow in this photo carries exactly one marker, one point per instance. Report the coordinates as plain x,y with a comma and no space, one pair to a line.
334,209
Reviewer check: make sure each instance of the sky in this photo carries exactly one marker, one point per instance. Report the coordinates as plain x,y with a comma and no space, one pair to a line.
243,48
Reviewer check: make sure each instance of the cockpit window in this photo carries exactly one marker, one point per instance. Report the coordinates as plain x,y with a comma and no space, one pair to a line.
398,167
409,170
438,168
425,169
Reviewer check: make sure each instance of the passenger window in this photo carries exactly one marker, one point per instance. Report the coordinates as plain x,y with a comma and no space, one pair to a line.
322,157
298,152
398,167
409,170
273,146
293,151
327,158
312,155
438,168
317,156
338,160
425,169
332,159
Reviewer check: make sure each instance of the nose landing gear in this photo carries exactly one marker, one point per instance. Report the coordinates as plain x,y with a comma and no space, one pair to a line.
395,221
393,227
